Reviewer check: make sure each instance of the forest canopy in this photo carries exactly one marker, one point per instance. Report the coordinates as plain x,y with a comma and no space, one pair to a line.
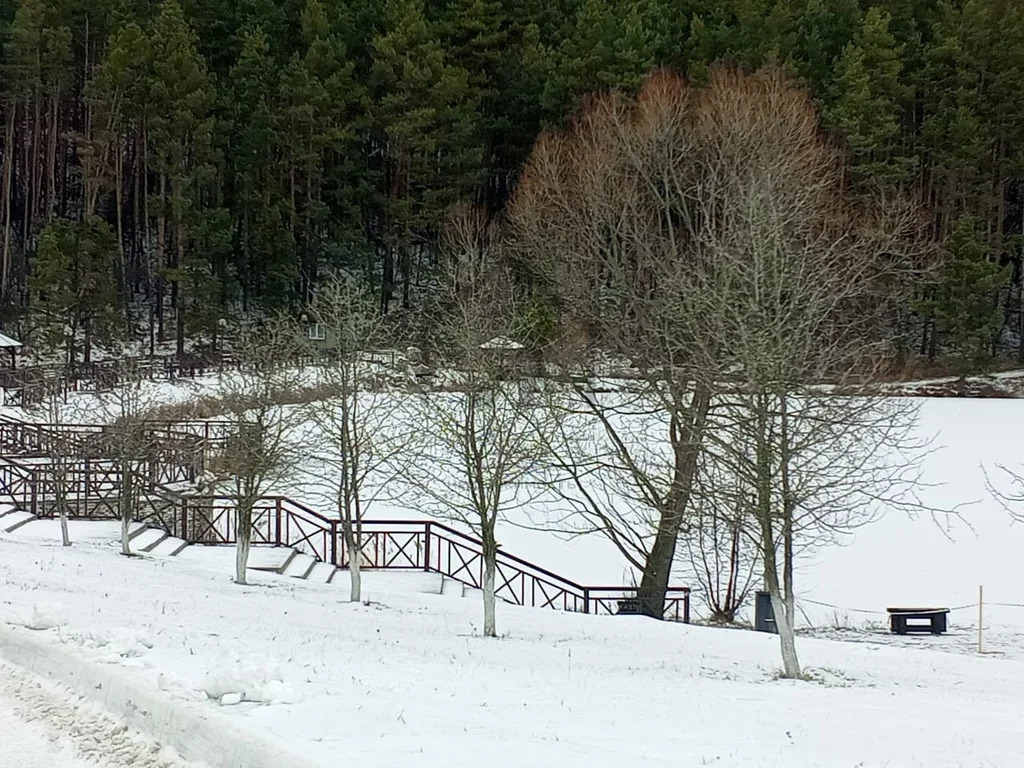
172,166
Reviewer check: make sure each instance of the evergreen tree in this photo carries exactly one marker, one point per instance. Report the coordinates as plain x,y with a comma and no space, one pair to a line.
965,306
870,104
73,284
426,131
180,132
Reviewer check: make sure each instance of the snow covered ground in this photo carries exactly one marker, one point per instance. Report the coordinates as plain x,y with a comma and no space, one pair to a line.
407,677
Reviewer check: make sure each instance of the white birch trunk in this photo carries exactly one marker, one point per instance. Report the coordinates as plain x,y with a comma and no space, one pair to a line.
65,537
490,566
355,558
787,639
356,590
126,520
244,540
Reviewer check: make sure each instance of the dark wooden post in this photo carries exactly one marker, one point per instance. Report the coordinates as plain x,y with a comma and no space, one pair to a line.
334,544
426,547
277,534
686,607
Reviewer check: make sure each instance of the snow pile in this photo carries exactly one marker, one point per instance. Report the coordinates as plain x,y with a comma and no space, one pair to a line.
115,643
234,679
46,616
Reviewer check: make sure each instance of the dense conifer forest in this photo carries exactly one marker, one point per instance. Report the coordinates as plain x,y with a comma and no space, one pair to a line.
171,167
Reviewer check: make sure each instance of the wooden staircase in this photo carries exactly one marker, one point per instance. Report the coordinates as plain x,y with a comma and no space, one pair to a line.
92,487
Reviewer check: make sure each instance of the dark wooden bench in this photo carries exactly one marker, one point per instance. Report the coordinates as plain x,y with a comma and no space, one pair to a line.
931,620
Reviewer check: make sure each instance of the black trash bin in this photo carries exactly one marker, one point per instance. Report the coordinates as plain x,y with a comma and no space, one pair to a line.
764,613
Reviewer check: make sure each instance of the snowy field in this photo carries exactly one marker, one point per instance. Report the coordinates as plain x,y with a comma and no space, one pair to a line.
406,677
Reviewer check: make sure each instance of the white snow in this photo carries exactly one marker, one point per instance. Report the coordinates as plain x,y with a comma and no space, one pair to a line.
408,675
406,678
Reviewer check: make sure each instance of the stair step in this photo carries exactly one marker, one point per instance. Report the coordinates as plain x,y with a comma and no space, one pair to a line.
275,559
169,546
322,573
14,520
300,566
147,538
452,587
162,538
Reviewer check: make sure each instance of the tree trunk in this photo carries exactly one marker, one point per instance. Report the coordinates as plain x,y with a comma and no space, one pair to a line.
8,171
490,555
787,639
65,537
355,561
658,568
161,257
60,491
788,510
127,489
243,541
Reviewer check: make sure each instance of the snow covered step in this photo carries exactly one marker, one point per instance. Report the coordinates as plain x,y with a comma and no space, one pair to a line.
168,546
322,573
270,558
452,587
5,508
300,566
14,520
145,539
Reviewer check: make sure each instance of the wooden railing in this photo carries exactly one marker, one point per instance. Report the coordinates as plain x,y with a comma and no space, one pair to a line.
30,385
92,489
184,447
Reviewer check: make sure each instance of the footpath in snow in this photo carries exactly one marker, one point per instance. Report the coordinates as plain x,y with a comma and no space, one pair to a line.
43,725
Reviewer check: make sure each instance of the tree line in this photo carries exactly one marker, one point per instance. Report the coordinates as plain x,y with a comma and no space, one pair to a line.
167,167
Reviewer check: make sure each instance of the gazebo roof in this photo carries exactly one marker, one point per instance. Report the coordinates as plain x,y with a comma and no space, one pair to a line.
6,342
501,342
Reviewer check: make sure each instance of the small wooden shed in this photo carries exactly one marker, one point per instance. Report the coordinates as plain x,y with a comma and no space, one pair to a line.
12,345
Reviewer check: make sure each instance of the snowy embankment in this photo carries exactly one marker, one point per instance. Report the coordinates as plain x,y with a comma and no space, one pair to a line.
406,677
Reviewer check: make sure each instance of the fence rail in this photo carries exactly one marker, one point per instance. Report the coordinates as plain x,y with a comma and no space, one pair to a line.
92,488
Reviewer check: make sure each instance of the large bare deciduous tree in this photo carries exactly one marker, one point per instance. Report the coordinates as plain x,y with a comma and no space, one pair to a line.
601,222
703,236
795,288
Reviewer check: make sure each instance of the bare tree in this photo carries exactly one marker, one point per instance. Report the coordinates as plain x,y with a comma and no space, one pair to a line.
57,444
364,445
703,237
260,452
480,433
127,443
794,287
602,223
